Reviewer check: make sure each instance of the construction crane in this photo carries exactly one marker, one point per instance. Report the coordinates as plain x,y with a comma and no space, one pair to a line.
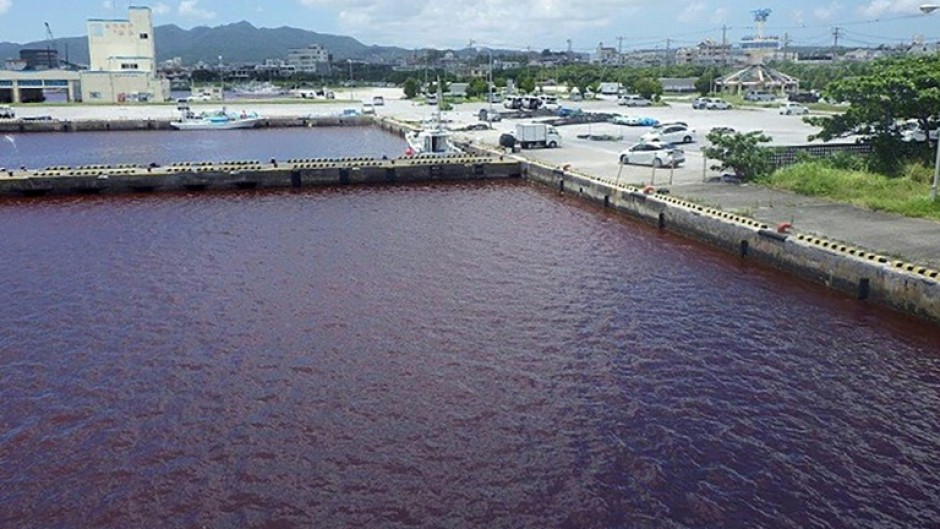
50,48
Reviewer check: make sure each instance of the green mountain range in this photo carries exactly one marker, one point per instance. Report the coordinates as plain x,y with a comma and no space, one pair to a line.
236,43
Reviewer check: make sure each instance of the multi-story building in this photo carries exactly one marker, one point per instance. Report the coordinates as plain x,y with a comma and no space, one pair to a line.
707,53
123,60
312,59
606,55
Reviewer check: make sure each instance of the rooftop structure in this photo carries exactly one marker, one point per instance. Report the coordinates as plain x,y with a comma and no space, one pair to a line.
758,77
761,43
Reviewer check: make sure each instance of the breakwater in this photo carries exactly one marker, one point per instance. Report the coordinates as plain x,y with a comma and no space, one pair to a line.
124,125
249,174
861,273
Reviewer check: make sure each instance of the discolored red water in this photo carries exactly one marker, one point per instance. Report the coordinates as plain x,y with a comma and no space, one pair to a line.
458,356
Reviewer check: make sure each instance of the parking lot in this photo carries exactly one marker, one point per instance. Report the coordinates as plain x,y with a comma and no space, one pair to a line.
601,157
594,157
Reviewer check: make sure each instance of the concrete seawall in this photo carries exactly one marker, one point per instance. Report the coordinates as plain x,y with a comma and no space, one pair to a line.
252,174
868,276
94,125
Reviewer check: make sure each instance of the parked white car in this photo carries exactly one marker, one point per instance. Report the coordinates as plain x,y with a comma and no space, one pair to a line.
790,108
550,102
715,103
655,153
6,112
634,101
670,134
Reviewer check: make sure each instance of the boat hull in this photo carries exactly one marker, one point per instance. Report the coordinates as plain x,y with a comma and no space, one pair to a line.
208,125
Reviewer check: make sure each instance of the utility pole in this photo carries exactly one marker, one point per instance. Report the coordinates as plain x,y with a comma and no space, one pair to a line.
668,44
725,52
836,34
351,85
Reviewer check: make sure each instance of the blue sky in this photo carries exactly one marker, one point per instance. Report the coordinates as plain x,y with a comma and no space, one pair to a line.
505,23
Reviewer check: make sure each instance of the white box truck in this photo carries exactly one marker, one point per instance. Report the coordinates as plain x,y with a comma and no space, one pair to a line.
529,135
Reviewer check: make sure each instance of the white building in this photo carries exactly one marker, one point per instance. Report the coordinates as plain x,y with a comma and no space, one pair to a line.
707,53
312,59
123,60
606,56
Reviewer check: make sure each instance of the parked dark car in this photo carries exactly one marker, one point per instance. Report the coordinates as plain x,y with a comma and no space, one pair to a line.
803,97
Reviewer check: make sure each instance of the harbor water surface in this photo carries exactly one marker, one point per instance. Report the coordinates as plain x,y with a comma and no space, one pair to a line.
459,356
40,150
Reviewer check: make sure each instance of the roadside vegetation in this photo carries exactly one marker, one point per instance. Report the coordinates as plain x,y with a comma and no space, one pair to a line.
907,194
895,177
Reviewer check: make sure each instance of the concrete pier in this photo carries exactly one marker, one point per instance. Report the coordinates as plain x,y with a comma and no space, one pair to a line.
860,273
242,174
93,125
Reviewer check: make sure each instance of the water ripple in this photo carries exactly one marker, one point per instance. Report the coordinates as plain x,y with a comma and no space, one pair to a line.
439,356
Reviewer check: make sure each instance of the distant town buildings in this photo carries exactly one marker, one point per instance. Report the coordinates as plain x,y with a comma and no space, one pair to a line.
606,56
123,68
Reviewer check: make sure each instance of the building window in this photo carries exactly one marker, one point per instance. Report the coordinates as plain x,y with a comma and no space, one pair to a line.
129,66
95,95
144,36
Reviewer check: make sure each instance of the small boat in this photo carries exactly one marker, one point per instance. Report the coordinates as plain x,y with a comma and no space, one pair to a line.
219,120
259,90
433,139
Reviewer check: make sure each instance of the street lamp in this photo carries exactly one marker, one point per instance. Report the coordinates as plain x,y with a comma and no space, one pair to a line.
489,80
352,85
930,8
489,83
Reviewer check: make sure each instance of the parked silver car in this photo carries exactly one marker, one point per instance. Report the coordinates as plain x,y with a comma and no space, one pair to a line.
655,153
634,101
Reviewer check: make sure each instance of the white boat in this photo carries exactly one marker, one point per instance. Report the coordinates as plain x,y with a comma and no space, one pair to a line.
216,120
259,90
219,120
433,139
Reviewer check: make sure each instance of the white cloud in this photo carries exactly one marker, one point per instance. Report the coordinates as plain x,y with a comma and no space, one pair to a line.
5,6
877,8
719,16
799,17
191,9
161,9
498,23
692,13
827,12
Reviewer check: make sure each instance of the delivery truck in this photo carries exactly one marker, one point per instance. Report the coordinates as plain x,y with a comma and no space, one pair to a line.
530,135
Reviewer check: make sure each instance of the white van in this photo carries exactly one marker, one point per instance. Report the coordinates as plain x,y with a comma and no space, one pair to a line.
634,101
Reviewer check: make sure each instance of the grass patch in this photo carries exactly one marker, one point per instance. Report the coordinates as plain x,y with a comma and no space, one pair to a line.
907,195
